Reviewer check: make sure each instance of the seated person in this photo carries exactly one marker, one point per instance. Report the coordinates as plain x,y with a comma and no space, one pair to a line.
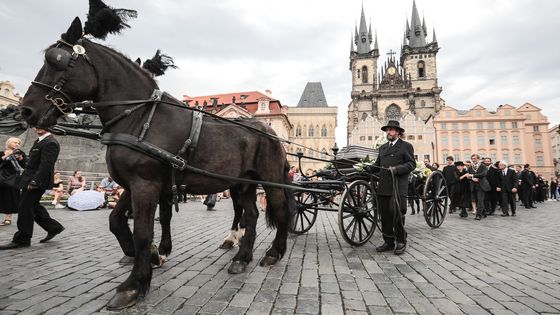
109,185
118,192
76,183
58,190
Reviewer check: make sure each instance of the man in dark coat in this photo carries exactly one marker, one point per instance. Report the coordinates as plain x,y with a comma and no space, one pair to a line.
507,187
450,179
479,184
37,177
492,196
395,157
527,184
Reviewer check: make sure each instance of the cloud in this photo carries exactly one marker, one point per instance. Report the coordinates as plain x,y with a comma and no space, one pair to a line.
493,52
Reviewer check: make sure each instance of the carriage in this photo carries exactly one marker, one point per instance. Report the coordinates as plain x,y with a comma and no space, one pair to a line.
350,191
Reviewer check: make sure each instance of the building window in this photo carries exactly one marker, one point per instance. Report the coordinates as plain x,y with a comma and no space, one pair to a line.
504,139
478,113
324,131
494,156
506,157
514,124
536,128
311,132
465,125
447,114
364,74
422,103
517,158
492,141
490,125
540,160
6,92
324,154
479,126
502,125
515,140
358,73
454,126
480,140
426,157
298,131
443,126
455,141
444,141
362,138
263,106
420,137
410,137
466,140
538,143
421,69
370,138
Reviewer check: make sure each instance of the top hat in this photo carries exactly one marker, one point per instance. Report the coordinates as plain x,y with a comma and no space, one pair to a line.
459,163
393,124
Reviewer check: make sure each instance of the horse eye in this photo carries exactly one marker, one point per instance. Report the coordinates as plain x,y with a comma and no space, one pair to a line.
58,58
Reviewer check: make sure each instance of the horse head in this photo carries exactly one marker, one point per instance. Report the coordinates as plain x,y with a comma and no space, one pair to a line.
66,76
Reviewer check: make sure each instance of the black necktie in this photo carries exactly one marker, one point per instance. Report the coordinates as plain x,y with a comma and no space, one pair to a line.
390,144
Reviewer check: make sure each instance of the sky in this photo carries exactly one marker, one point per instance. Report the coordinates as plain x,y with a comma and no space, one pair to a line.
493,52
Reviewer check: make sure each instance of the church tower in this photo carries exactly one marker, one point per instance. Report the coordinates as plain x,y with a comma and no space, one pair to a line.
418,57
363,65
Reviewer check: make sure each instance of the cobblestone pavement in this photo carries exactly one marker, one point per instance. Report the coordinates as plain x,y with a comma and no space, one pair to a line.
497,265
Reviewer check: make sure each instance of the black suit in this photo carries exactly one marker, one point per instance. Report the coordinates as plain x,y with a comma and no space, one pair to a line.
527,183
507,183
450,179
38,174
401,157
478,189
492,196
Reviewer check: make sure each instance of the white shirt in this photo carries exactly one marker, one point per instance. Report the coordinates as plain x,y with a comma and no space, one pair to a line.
392,143
46,134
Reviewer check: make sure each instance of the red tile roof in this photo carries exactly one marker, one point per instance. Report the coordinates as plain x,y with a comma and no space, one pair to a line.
249,100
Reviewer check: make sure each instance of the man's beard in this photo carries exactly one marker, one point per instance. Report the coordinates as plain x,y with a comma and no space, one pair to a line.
393,138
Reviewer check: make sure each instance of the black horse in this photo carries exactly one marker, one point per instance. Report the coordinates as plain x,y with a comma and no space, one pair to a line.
98,73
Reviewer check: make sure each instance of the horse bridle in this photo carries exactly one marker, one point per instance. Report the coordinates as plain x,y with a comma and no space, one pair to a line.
62,60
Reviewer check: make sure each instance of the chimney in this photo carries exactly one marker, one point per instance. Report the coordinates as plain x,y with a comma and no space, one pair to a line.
268,93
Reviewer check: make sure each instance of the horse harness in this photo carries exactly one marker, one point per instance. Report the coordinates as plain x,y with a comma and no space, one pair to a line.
63,60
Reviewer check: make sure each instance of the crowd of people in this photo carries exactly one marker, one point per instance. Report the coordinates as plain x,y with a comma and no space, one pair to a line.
481,186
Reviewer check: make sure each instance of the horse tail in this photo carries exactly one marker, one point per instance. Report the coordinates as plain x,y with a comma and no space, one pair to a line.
271,218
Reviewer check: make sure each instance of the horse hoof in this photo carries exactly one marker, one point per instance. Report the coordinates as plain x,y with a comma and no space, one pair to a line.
268,261
227,245
126,260
164,252
122,299
237,267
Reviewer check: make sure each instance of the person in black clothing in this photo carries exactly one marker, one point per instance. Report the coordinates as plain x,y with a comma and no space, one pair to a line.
449,174
37,177
395,157
507,187
479,185
491,197
12,162
527,185
553,189
462,190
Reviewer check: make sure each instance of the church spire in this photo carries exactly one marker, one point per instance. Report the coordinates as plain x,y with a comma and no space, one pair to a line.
351,43
375,46
424,29
363,44
434,39
417,34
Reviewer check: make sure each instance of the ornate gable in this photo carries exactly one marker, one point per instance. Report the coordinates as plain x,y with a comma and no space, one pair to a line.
234,111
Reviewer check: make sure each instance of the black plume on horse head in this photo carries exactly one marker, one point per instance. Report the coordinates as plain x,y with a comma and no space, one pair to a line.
159,64
102,19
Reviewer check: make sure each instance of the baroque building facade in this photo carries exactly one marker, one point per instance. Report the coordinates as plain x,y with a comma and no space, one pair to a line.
515,135
405,85
554,133
8,96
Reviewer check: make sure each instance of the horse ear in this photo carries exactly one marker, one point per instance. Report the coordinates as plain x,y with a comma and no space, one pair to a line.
138,61
74,32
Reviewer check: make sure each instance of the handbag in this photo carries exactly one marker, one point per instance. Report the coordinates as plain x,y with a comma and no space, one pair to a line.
10,171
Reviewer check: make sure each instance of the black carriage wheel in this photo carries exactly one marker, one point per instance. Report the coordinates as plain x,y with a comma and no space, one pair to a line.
357,213
306,214
435,199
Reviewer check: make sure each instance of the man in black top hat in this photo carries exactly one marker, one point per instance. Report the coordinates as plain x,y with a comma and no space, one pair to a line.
395,157
37,177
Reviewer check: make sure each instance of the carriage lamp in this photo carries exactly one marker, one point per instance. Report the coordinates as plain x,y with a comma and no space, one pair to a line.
335,149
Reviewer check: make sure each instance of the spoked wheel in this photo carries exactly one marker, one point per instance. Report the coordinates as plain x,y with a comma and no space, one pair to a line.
306,213
435,199
357,213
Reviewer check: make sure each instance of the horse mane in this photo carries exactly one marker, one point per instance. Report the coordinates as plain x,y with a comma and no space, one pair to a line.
103,20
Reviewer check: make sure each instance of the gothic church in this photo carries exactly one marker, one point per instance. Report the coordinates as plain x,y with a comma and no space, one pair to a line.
405,86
